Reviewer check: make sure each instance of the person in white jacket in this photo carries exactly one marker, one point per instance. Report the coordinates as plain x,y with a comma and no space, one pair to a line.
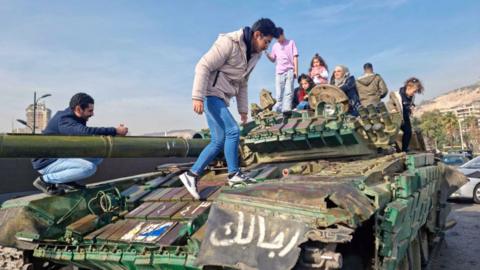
222,73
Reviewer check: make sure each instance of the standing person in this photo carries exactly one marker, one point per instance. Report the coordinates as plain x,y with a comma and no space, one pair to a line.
403,101
222,73
66,171
371,87
342,79
300,95
285,55
318,70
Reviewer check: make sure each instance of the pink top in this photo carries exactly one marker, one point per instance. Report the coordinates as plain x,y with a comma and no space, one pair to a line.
283,54
319,75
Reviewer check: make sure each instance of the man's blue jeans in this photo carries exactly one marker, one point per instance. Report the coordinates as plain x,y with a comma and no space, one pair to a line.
225,135
65,170
284,91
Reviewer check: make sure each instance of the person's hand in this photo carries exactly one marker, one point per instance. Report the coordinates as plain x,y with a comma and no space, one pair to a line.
198,106
121,130
305,97
295,74
244,118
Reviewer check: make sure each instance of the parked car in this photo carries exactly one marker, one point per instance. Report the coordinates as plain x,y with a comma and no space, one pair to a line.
454,159
471,189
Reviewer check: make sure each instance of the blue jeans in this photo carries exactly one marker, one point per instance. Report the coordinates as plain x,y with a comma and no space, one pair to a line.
65,170
304,105
225,135
284,91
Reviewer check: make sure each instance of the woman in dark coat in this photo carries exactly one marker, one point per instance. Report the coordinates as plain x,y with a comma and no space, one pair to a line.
342,79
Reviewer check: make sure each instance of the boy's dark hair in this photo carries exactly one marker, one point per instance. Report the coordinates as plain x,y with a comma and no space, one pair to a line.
368,66
266,27
414,81
304,76
82,100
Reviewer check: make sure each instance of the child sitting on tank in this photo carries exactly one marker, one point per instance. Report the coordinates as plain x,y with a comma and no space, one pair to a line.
318,70
300,94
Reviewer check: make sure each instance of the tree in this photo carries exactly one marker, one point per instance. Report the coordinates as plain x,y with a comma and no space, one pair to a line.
431,125
471,130
449,121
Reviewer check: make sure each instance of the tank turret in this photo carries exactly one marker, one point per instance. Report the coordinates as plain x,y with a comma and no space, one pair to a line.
325,131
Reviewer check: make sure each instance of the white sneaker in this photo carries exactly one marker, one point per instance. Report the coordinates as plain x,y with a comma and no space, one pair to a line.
240,178
190,183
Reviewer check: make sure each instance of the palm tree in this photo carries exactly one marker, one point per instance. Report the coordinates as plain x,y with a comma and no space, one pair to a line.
449,121
430,124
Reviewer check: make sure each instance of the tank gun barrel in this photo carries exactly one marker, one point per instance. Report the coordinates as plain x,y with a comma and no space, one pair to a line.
48,146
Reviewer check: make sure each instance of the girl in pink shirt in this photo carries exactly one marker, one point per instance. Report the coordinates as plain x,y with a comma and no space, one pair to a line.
318,70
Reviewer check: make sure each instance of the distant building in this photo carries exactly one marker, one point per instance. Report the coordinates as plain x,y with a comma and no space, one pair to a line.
471,137
43,115
465,110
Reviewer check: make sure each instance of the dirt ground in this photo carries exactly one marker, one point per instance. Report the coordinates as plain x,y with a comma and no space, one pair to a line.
461,248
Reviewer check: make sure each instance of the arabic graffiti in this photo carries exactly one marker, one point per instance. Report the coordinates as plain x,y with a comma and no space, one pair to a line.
189,211
277,244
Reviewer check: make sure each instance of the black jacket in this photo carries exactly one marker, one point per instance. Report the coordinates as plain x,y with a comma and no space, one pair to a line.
350,90
407,104
67,123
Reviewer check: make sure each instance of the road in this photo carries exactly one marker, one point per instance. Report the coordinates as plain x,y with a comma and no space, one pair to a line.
461,247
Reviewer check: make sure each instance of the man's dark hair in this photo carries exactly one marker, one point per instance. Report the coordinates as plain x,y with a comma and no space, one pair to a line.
82,100
368,66
266,27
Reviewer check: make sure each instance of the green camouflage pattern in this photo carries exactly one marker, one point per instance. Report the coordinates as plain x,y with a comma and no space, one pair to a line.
332,194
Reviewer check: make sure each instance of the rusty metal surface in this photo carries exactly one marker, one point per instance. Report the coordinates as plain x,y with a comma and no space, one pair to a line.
311,193
173,235
167,210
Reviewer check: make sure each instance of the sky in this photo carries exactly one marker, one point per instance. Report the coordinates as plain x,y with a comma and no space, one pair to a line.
137,58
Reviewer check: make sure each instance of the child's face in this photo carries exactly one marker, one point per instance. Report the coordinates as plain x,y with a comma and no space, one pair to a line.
304,84
316,62
411,89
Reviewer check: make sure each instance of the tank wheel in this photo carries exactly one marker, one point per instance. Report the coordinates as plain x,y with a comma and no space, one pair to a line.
476,194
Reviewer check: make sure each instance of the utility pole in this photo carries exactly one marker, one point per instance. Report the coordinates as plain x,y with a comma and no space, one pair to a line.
461,132
34,111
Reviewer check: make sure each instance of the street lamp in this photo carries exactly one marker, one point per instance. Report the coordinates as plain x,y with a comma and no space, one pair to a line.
23,122
35,101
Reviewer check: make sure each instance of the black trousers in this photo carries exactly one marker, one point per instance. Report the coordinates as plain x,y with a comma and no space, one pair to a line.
407,134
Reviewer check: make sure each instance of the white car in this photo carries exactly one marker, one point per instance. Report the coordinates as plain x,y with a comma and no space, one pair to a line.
471,189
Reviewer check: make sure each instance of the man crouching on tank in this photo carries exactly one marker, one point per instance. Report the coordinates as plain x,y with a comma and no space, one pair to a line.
58,174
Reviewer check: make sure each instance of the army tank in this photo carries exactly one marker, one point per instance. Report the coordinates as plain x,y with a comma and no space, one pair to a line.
333,193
